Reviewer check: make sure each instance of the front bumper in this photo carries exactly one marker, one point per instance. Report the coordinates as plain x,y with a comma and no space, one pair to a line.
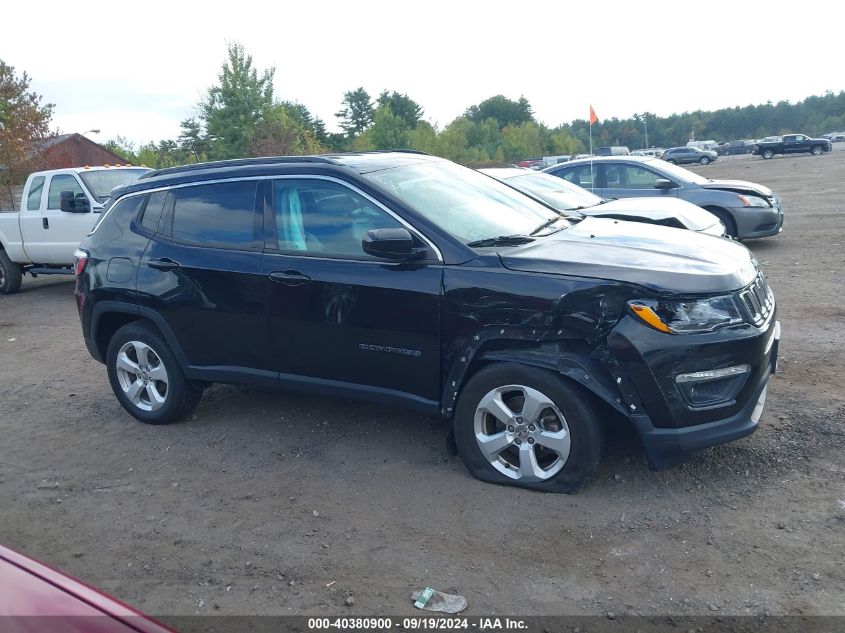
753,222
668,426
665,448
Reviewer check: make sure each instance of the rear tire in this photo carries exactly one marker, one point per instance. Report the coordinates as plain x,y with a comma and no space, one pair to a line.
146,377
817,150
544,434
768,154
11,275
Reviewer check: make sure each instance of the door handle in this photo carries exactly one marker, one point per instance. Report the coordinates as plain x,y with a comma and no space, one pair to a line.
45,222
165,263
289,278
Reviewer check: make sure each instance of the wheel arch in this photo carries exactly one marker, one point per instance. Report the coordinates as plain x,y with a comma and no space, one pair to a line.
563,358
108,317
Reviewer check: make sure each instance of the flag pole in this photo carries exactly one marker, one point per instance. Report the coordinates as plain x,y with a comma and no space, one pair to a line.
592,178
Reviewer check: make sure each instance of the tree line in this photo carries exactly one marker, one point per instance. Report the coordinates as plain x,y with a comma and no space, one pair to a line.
241,116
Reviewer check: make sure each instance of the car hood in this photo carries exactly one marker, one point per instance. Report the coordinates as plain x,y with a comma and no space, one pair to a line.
660,258
655,209
739,186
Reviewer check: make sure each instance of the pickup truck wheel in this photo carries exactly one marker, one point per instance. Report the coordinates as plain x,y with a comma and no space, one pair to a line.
704,160
11,275
767,154
817,150
146,378
527,427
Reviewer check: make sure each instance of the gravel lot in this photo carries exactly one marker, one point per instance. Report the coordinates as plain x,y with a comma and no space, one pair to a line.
264,499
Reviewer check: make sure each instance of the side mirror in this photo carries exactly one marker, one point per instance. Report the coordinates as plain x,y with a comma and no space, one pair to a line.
74,204
391,244
664,183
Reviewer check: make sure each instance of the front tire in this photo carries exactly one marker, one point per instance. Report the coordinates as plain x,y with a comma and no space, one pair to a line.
727,220
146,378
817,150
522,426
704,160
11,275
768,154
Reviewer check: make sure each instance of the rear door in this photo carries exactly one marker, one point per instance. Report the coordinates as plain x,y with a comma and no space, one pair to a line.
202,273
32,230
337,313
629,180
585,175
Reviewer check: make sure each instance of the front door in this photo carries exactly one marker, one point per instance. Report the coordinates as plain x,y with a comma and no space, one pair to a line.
62,232
337,313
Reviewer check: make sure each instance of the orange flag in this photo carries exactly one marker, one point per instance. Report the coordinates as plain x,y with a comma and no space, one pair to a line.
593,117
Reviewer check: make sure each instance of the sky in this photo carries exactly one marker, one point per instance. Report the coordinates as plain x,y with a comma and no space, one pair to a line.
138,69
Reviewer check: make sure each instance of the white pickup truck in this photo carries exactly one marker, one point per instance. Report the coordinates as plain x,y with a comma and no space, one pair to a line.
58,209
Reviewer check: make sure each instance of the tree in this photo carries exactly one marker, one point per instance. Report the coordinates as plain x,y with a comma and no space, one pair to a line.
505,111
388,131
123,147
402,106
521,141
281,134
24,122
233,109
303,116
357,113
193,140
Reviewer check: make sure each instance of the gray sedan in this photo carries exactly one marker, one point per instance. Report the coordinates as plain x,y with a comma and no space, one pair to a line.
573,201
747,210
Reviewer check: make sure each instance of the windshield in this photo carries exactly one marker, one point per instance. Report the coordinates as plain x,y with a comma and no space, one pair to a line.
467,204
562,195
679,172
101,181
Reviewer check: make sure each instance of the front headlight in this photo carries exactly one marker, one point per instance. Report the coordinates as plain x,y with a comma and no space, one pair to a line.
683,317
752,201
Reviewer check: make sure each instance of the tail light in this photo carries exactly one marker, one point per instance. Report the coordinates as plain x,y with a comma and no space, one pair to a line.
80,261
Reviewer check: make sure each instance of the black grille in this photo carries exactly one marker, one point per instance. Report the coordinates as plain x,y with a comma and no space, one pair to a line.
758,300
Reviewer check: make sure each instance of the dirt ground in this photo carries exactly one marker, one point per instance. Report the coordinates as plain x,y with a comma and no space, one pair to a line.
274,503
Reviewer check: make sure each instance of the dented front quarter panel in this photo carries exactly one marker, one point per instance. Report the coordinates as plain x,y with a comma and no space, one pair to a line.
557,322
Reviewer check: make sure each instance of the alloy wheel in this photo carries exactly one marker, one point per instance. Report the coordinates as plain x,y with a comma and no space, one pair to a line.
521,432
142,376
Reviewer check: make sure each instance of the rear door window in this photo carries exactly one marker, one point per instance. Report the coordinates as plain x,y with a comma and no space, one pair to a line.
153,210
33,198
580,175
220,214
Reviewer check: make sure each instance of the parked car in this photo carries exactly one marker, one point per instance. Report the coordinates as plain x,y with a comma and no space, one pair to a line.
793,144
616,150
38,598
651,151
58,209
689,155
738,147
747,210
403,278
705,145
575,202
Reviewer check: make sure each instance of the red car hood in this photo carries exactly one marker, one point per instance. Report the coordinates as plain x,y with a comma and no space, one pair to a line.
36,598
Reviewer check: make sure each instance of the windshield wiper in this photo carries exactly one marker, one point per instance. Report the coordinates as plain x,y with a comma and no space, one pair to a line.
546,224
501,240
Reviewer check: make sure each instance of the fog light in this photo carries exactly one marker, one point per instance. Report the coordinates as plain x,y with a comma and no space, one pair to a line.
713,387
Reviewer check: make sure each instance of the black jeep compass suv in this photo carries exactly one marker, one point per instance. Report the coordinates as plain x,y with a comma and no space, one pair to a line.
404,278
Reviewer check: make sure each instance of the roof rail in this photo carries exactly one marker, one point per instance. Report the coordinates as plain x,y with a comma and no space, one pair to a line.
237,162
